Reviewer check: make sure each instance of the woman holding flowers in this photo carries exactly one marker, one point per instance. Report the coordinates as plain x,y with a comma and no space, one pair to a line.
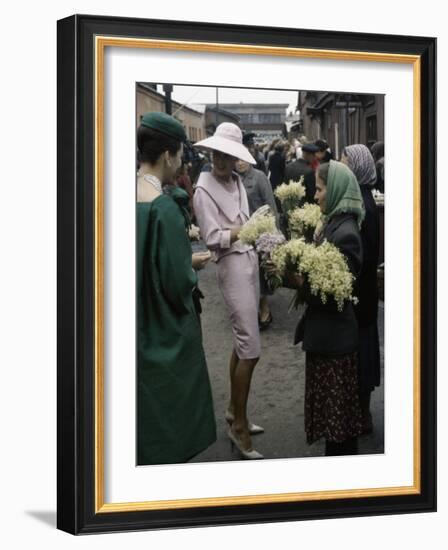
221,207
330,333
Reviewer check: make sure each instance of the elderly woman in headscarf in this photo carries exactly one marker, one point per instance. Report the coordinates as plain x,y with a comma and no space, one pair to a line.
221,206
359,159
330,336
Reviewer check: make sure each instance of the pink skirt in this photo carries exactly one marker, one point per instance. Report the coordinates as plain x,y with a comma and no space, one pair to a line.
238,280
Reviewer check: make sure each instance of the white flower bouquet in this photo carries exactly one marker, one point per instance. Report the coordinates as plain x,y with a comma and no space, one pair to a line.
256,226
325,268
290,194
303,221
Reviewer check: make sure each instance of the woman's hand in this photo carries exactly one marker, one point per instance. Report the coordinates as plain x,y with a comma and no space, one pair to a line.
234,233
293,280
200,259
269,268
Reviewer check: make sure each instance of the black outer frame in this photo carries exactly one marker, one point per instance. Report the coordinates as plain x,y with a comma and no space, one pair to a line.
75,403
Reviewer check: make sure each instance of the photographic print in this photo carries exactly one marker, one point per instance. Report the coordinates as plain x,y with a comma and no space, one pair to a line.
230,349
250,346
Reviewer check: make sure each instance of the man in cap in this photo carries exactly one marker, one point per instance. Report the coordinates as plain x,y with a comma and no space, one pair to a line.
249,142
304,167
309,151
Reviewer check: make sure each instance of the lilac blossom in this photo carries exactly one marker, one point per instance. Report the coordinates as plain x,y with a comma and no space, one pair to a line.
267,243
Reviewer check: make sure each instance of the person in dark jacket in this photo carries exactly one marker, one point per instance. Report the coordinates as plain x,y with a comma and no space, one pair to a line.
359,159
295,170
309,151
249,142
378,157
184,182
277,166
324,153
330,336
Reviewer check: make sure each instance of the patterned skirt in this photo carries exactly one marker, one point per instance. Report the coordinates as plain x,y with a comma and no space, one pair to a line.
332,408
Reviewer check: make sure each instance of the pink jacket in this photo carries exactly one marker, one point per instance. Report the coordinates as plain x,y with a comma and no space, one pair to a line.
217,213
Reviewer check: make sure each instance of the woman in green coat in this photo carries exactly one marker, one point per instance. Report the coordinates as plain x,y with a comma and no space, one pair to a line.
175,418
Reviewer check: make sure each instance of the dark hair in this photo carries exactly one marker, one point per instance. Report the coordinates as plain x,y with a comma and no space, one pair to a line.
377,150
322,144
152,144
322,171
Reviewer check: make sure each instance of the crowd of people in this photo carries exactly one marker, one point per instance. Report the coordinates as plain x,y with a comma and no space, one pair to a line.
231,178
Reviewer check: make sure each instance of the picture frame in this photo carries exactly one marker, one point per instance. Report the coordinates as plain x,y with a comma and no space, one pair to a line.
82,42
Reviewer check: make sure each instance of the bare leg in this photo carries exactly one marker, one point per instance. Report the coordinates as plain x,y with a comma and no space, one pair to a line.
241,380
232,368
265,312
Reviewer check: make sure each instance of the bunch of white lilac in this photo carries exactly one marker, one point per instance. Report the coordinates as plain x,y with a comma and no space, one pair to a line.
256,226
266,245
304,219
290,194
325,267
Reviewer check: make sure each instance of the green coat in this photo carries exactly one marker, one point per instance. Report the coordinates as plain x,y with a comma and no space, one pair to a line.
175,418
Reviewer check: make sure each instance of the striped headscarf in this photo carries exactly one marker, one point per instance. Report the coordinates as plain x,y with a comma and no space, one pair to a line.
361,163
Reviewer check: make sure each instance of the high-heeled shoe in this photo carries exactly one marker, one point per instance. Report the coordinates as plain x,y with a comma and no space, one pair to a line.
263,325
254,429
251,454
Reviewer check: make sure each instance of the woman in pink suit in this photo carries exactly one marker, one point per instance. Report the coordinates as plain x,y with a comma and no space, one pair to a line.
221,208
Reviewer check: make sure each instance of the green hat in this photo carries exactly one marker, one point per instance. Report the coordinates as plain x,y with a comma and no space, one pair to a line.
166,124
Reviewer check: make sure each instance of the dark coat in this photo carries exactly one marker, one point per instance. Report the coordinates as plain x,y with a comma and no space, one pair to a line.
259,190
367,309
379,165
276,169
261,164
295,170
323,328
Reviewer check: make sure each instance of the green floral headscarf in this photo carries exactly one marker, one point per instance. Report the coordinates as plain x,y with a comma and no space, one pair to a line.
343,193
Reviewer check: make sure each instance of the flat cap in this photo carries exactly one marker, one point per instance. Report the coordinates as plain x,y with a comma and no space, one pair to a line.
310,148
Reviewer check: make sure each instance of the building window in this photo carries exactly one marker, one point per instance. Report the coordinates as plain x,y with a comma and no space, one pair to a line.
270,118
372,131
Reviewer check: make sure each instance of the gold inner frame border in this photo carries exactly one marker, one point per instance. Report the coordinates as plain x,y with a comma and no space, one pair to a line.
100,44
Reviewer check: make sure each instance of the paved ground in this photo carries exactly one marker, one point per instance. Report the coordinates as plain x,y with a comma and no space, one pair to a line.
277,392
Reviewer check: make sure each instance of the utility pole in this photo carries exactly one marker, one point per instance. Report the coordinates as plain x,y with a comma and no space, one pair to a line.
217,106
168,88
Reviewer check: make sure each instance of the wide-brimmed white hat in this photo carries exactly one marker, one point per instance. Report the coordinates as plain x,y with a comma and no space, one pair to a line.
228,139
